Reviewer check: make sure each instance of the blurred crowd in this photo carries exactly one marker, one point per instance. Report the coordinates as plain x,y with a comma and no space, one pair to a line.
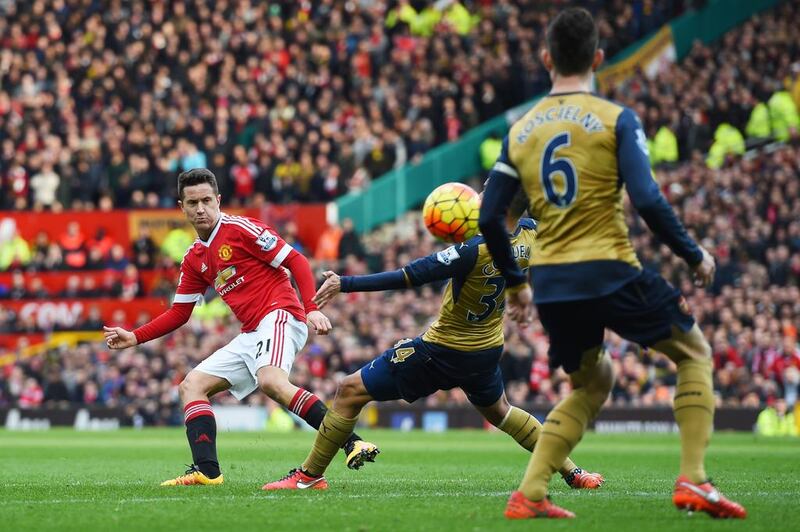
748,213
102,101
393,81
742,89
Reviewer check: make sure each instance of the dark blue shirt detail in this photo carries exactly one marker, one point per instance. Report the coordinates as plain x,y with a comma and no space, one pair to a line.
634,170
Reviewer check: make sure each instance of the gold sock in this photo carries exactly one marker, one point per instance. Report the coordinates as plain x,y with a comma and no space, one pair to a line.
525,429
521,426
562,430
333,432
694,412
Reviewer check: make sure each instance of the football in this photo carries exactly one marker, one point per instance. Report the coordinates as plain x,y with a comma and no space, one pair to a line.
451,212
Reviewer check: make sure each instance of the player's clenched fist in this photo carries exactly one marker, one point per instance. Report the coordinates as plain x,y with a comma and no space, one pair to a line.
319,322
329,289
119,338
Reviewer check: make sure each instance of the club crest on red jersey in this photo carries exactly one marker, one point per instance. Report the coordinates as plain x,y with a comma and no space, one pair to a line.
225,252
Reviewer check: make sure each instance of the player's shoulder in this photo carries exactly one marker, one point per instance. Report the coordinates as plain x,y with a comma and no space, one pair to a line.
243,225
194,251
464,253
528,224
617,111
608,110
471,248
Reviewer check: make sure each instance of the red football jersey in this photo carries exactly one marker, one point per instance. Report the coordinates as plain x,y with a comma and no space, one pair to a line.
242,261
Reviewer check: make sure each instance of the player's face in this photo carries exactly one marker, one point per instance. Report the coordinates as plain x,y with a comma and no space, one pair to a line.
201,207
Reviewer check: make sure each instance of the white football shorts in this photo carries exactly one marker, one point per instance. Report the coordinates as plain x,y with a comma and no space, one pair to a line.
275,342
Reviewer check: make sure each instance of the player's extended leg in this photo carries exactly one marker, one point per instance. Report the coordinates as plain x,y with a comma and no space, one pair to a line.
334,431
562,430
201,428
694,412
274,382
525,429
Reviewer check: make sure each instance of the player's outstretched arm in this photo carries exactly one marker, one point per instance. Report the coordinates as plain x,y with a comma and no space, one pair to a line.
174,317
454,261
501,187
119,338
634,168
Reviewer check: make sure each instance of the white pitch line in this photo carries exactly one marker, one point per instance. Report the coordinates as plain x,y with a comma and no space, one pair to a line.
273,496
134,500
137,500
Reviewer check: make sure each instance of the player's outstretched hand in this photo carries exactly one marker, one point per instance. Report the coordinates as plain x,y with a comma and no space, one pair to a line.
704,271
319,322
119,338
519,306
329,289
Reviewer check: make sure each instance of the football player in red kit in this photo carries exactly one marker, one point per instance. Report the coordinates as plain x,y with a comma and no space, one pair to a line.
244,260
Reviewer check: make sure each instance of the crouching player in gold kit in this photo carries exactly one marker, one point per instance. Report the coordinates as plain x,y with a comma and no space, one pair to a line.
572,154
461,349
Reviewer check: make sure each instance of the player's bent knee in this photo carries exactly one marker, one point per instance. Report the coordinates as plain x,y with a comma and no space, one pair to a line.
185,388
496,413
691,345
351,386
192,387
274,382
269,389
352,391
272,388
596,378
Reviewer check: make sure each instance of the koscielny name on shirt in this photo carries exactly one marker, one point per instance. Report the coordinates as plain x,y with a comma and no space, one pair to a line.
561,113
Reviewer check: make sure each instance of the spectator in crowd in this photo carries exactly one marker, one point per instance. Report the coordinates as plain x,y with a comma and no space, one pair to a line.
73,244
350,242
328,244
176,243
55,392
117,260
144,249
14,250
131,286
18,289
290,237
37,289
31,394
776,420
44,185
39,250
101,243
72,289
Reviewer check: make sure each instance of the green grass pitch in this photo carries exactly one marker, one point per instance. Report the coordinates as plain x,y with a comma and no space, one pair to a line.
458,480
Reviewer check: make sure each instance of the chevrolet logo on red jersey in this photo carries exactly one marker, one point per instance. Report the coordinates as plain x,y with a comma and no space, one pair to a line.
224,276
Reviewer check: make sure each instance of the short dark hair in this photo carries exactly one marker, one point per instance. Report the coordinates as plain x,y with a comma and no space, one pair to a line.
196,176
572,41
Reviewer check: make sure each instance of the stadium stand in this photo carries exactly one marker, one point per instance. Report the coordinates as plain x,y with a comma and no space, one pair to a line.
746,86
746,209
103,101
